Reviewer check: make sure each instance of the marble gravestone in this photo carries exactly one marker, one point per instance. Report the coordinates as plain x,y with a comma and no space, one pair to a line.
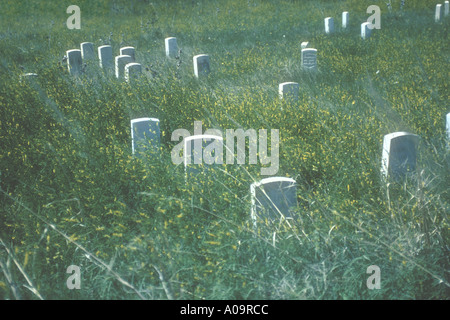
120,62
87,51
365,30
273,199
201,65
201,152
448,127
105,56
145,136
28,76
329,25
309,59
438,13
399,155
345,17
288,91
74,61
132,71
171,47
128,51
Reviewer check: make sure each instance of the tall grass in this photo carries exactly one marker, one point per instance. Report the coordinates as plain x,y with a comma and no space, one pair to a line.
72,193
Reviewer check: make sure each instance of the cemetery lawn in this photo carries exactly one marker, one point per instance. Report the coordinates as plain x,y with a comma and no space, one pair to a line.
72,194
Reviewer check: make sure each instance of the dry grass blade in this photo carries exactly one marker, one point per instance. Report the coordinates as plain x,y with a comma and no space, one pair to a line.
30,285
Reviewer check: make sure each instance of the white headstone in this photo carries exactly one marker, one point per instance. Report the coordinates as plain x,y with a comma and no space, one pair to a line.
345,18
304,45
132,71
273,199
201,65
448,127
105,56
446,8
87,51
399,154
74,61
128,51
27,76
438,13
289,91
365,30
202,151
309,59
329,25
145,135
171,47
121,62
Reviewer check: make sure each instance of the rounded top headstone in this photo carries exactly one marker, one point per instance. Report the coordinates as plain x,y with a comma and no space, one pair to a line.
273,179
144,119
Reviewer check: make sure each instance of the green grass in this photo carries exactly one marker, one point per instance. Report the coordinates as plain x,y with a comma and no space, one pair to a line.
72,194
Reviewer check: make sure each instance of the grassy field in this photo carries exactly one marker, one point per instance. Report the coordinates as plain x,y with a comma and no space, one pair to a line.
73,194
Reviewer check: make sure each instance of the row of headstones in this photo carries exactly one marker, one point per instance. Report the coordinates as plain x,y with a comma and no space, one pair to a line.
308,55
329,23
438,11
366,28
125,65
275,197
127,68
308,62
